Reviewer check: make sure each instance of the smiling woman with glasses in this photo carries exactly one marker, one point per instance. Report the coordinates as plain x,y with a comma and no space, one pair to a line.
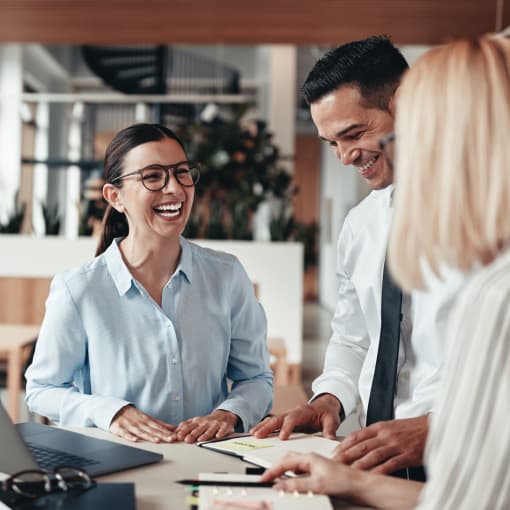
157,338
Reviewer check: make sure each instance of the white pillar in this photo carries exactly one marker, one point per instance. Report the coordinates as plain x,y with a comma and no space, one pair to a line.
142,113
11,88
73,174
277,71
282,98
40,179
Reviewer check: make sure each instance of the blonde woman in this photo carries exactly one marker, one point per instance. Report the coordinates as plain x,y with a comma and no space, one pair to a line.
452,210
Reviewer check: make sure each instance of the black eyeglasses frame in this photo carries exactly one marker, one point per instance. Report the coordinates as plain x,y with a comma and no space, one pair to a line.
51,481
384,143
192,165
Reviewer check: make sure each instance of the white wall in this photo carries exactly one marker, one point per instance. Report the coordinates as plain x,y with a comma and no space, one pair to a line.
341,189
242,58
282,98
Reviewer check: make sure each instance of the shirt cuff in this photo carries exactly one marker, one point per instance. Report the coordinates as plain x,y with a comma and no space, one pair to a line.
340,390
240,408
106,409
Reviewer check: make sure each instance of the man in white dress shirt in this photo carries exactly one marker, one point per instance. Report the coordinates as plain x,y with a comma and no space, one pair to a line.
351,93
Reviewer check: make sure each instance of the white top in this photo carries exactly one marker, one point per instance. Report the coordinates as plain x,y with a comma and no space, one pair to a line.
352,350
468,449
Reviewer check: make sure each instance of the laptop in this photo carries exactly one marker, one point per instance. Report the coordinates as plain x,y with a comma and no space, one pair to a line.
36,446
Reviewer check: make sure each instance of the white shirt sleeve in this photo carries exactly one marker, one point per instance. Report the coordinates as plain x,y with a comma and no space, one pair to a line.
349,342
60,361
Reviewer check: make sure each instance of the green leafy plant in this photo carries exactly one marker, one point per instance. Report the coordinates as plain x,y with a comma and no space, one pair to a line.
241,167
52,220
15,220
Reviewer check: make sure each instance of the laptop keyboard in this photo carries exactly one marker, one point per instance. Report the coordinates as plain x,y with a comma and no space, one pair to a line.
48,458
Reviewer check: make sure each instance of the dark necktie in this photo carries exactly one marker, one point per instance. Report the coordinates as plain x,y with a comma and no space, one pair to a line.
382,393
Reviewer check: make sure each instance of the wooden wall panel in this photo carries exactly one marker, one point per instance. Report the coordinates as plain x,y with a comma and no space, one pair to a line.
242,22
22,299
307,165
505,15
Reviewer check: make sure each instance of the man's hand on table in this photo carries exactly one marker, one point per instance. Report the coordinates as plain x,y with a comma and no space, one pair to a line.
322,414
132,424
386,446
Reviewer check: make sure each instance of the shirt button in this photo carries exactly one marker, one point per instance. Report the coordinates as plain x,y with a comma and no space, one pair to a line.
178,397
174,361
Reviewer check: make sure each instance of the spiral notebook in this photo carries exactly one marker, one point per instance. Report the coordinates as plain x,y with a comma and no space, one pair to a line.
212,497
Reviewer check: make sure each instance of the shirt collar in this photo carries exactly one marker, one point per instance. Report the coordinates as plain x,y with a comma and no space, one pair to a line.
385,196
119,272
186,263
123,279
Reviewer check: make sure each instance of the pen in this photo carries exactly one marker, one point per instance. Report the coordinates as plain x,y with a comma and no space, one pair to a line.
225,483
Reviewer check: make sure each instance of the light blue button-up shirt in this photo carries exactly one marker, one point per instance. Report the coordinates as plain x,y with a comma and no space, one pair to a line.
105,343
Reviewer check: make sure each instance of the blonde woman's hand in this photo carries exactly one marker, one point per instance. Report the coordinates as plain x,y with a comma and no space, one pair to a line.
216,425
132,424
319,475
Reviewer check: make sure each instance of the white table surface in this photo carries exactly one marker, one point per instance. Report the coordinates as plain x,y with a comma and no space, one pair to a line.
155,484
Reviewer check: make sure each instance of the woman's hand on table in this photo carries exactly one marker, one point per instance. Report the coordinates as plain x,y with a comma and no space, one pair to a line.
216,425
319,475
132,424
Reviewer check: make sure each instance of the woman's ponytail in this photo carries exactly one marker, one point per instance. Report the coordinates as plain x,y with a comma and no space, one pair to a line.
114,225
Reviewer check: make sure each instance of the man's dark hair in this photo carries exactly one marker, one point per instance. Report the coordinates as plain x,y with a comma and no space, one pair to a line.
374,65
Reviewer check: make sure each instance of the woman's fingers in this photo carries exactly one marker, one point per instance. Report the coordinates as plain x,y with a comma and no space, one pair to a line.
203,428
132,424
296,462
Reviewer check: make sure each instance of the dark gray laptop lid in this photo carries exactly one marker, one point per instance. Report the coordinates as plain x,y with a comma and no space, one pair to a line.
14,455
104,456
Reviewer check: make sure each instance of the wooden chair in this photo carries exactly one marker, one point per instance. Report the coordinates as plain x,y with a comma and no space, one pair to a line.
16,346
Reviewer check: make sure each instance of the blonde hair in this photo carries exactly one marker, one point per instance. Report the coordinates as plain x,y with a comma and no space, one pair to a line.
452,200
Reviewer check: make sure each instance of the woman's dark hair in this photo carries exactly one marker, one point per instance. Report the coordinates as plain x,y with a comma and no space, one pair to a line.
373,65
115,223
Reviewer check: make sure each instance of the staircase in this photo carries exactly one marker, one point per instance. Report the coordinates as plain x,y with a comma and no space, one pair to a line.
147,70
131,70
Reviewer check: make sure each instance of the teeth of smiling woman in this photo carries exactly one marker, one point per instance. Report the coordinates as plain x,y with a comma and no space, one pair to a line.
169,209
367,165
